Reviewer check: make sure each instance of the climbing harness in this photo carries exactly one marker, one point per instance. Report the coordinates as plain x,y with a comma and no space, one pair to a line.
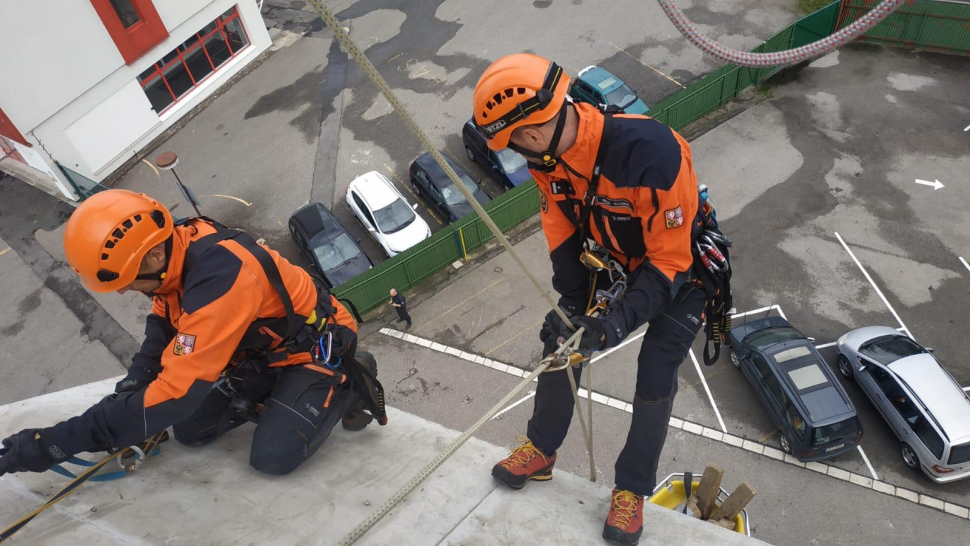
712,271
129,459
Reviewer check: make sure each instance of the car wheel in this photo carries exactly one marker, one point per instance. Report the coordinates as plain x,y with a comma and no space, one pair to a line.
471,154
845,368
735,360
785,444
910,458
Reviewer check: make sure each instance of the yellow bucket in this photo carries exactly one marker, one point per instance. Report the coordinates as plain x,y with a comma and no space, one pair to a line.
670,494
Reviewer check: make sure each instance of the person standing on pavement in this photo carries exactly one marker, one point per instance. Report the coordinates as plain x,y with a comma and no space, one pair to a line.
626,182
236,333
401,306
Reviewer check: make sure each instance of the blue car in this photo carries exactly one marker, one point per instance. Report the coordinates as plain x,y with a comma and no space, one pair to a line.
507,167
598,86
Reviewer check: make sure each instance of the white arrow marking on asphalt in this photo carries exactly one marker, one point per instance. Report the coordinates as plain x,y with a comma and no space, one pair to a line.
936,183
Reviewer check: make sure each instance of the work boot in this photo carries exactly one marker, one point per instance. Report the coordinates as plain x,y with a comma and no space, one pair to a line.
526,462
625,520
356,418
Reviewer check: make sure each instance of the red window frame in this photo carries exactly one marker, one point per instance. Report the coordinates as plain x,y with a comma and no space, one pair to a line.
159,69
139,38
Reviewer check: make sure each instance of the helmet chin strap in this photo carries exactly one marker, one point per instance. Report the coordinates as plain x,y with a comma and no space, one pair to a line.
548,158
161,273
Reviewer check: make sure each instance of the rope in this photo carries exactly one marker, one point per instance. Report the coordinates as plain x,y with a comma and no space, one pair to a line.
150,446
779,58
365,525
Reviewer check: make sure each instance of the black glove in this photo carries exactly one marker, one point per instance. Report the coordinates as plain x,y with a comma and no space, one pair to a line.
593,337
130,384
27,451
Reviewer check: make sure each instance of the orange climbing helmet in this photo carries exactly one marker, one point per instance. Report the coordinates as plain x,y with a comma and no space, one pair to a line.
519,89
109,234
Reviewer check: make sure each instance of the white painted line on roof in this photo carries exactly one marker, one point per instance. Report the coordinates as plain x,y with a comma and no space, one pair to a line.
873,283
748,446
964,262
868,464
707,389
507,408
824,345
620,346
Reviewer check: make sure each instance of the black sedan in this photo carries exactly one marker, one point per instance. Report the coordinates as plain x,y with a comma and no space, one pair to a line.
432,184
507,167
332,253
806,403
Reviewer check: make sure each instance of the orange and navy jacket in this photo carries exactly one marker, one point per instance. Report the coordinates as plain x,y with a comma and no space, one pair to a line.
199,325
645,203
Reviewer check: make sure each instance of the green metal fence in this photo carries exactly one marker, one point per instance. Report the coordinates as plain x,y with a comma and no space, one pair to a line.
83,186
722,85
370,290
943,27
404,271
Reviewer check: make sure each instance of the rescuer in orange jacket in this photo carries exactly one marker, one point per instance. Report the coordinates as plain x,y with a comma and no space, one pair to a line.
236,332
640,211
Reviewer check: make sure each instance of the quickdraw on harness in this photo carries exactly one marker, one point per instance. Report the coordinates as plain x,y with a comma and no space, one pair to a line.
712,267
312,335
129,459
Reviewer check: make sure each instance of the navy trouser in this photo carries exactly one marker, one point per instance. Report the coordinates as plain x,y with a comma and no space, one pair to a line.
302,405
664,347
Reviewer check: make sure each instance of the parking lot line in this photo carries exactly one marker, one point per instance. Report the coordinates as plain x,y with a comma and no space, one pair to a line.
868,464
4,251
873,283
462,302
504,343
964,262
710,396
618,347
824,345
507,408
682,86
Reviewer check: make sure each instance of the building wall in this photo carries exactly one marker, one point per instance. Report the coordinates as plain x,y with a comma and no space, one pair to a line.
92,116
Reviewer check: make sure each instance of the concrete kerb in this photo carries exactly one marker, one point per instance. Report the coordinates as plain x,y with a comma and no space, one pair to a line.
763,450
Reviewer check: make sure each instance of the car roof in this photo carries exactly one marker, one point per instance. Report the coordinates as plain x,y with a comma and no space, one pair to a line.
925,376
822,399
427,162
594,75
376,189
315,219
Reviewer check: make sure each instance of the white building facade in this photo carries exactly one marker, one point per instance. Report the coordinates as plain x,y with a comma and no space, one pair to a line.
86,84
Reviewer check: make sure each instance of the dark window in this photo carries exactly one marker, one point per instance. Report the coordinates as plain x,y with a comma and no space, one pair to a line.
183,68
896,395
835,432
767,338
126,12
794,418
760,365
890,350
363,209
930,438
960,454
774,387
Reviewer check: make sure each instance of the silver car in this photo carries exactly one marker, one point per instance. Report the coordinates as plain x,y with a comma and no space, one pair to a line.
923,404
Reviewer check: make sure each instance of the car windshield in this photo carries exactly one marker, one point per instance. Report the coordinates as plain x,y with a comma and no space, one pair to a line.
767,338
453,195
835,431
394,217
511,161
892,349
959,454
622,96
337,252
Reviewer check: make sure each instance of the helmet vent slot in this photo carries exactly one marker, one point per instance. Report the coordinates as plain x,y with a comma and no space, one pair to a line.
118,234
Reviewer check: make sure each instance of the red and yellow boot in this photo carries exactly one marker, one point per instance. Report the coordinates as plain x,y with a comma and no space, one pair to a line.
625,520
526,462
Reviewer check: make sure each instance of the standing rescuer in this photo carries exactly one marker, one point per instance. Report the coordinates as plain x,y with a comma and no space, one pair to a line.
236,333
627,183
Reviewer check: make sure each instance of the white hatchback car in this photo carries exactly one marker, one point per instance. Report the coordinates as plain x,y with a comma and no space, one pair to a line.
385,213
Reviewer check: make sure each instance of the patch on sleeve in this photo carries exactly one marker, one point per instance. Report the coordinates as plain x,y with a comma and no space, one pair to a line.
184,344
543,202
674,218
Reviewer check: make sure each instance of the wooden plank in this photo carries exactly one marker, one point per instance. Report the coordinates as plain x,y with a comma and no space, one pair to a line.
734,503
708,489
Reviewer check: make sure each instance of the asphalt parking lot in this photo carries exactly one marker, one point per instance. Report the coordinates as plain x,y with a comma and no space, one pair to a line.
822,155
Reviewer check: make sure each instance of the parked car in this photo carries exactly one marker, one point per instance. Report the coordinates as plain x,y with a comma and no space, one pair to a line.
385,213
924,406
431,183
332,252
806,402
507,167
598,86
